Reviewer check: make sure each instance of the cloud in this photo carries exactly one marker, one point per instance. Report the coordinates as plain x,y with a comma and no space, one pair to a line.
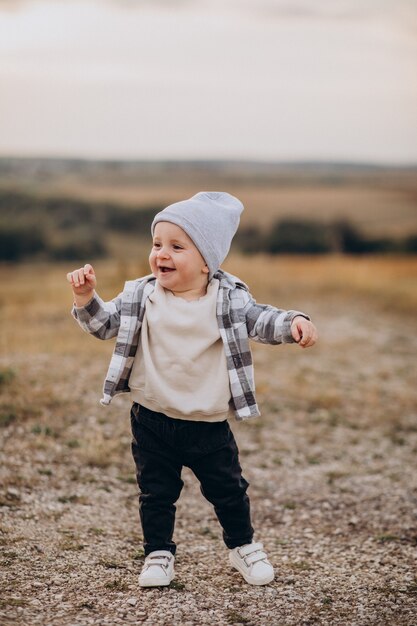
285,8
400,15
279,8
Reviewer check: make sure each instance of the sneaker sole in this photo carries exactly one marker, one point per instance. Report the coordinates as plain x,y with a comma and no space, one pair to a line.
156,582
250,579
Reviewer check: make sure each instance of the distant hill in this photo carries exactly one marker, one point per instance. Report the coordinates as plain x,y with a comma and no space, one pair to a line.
57,194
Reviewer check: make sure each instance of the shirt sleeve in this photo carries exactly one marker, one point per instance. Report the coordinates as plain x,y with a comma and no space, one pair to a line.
98,318
268,324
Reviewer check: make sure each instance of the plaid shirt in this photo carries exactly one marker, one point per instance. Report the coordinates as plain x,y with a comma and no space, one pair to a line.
239,317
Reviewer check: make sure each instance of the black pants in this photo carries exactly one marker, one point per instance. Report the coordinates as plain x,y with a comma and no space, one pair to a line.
161,446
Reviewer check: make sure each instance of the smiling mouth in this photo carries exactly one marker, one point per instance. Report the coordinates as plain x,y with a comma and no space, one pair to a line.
166,270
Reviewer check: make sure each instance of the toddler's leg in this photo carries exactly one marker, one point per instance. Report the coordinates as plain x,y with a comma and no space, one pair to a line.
158,474
222,484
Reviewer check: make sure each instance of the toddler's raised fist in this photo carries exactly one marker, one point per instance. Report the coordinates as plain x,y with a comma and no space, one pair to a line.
83,280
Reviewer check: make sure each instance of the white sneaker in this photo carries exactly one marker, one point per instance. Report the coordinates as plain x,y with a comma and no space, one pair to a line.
252,562
158,569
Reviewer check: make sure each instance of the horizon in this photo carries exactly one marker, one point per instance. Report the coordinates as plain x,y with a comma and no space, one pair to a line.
214,161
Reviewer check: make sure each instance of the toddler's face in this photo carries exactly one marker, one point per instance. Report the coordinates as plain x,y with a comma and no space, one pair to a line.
176,262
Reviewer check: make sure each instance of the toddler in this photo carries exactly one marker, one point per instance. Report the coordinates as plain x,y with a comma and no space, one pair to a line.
182,351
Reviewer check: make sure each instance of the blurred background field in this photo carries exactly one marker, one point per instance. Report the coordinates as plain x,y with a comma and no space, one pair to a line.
68,209
309,233
35,299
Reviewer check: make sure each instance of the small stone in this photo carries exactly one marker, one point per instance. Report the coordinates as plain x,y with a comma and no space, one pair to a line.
132,601
13,493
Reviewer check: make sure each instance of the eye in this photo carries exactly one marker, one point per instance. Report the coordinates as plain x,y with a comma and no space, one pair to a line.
177,247
156,244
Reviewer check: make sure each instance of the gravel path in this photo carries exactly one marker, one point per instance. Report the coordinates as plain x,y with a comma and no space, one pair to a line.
332,471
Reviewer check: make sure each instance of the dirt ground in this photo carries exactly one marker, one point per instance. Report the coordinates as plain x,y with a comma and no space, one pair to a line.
333,485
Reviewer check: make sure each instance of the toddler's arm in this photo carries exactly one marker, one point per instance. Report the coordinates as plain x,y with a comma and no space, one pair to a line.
268,324
99,318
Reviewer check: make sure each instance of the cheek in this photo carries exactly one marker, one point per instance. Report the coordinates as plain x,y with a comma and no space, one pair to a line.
152,258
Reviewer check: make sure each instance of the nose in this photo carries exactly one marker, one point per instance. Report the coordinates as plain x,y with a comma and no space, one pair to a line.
162,253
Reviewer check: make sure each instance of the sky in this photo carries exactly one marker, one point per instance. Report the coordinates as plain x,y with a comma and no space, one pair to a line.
281,80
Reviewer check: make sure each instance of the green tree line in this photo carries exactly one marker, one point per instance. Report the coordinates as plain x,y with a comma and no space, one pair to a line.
71,229
64,228
294,236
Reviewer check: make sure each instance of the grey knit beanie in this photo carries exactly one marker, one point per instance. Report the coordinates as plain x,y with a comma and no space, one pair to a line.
210,219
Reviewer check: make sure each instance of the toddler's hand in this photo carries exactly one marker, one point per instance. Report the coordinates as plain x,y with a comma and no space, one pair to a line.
83,280
303,332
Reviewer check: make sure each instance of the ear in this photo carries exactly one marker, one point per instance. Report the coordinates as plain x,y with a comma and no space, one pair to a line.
206,270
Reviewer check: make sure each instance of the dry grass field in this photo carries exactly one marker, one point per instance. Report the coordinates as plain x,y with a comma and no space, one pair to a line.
331,462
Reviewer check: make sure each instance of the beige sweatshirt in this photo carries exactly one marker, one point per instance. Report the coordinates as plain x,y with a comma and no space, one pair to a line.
180,365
